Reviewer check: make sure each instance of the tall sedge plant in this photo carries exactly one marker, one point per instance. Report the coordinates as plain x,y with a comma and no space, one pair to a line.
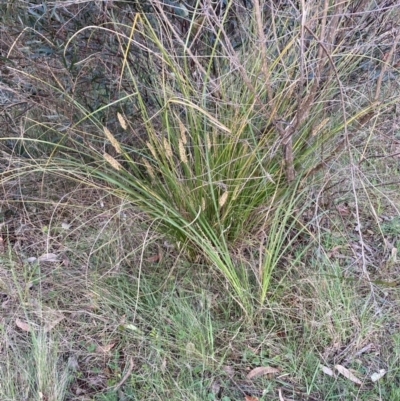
226,124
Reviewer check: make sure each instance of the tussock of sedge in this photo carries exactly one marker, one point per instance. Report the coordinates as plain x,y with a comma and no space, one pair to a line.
112,161
122,121
113,141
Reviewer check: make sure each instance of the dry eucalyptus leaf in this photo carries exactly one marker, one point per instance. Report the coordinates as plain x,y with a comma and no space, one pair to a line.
378,375
326,370
65,226
104,349
229,370
22,325
343,210
215,387
164,365
394,254
132,327
50,325
154,258
250,398
73,363
261,371
346,373
48,257
80,391
5,303
65,261
190,348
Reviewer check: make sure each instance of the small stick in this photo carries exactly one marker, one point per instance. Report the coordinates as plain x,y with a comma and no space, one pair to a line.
126,375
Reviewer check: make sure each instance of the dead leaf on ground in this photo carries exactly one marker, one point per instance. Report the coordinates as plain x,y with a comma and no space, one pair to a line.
164,365
250,398
65,226
73,363
97,380
326,370
50,325
261,371
22,325
154,259
378,375
48,257
347,373
280,395
343,210
4,304
216,387
79,391
394,254
104,349
334,251
229,370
